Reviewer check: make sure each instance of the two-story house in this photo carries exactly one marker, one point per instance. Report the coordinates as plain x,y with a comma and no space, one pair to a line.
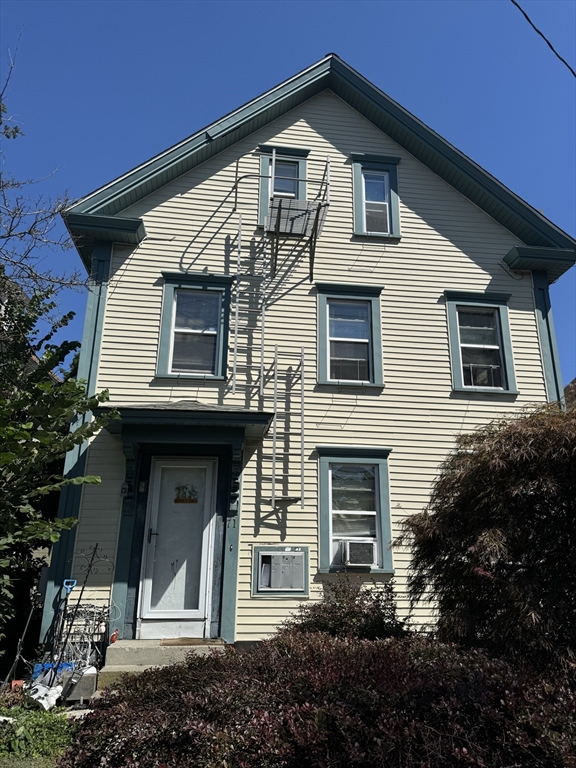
295,310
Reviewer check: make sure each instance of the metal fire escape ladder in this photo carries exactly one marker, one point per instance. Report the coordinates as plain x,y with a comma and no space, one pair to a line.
287,435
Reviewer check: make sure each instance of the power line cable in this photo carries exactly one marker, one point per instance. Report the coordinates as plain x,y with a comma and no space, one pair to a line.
542,35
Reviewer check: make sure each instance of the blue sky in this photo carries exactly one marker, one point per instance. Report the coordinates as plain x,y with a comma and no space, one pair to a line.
102,85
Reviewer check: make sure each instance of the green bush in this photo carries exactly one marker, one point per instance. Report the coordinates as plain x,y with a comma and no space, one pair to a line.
34,733
315,701
350,610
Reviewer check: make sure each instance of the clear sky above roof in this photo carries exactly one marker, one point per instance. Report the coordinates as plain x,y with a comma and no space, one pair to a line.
100,87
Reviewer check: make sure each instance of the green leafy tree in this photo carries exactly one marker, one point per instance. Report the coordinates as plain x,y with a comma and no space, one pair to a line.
496,547
37,408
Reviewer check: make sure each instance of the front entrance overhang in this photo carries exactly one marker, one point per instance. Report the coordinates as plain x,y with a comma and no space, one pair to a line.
189,413
182,428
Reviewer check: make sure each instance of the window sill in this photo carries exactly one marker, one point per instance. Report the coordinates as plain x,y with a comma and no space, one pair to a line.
377,236
356,569
188,377
485,391
346,383
282,593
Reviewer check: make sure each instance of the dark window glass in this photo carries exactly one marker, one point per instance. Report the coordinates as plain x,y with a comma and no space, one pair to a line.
286,178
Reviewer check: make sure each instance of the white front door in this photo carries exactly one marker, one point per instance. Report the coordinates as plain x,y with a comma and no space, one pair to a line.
178,542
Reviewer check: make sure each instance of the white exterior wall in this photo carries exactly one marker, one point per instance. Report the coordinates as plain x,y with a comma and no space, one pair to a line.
447,244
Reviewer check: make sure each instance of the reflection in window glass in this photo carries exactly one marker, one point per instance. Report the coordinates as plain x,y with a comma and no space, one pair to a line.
196,328
353,504
286,179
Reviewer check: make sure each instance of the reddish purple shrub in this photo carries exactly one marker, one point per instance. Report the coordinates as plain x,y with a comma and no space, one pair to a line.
303,701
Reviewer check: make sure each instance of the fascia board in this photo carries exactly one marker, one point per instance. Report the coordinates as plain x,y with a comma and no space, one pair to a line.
103,196
429,139
332,72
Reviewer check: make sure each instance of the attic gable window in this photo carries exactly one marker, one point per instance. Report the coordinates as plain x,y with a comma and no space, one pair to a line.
194,326
480,344
286,179
289,176
376,210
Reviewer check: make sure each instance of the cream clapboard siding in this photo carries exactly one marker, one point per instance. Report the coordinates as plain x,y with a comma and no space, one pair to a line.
99,517
447,243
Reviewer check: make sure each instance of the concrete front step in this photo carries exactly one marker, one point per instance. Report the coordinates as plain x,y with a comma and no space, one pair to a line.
134,656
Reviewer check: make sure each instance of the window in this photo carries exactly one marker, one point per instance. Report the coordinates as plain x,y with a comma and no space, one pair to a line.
376,211
289,176
355,527
194,329
349,345
286,179
480,347
280,570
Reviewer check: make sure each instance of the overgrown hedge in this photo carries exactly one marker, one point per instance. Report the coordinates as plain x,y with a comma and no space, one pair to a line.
314,700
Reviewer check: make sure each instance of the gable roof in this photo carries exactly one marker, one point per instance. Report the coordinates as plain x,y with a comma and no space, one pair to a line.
331,72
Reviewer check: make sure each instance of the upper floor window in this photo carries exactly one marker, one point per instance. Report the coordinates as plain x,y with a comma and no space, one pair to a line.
197,325
289,176
480,346
349,337
286,179
376,212
194,328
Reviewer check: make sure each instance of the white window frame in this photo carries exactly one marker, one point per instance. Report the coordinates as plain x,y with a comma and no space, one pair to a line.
462,310
192,332
367,342
337,550
386,176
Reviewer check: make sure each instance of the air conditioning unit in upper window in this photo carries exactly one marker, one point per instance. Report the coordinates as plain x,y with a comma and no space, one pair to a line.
359,553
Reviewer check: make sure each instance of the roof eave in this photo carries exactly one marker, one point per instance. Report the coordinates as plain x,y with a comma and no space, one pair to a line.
554,261
428,147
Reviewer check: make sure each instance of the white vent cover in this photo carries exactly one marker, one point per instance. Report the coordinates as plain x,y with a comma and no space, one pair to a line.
359,552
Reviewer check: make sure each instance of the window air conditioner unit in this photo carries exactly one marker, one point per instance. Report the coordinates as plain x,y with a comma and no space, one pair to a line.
359,553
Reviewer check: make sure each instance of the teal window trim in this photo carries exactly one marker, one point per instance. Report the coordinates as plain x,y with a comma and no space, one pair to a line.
363,162
547,337
293,593
289,154
499,302
174,281
366,293
378,457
